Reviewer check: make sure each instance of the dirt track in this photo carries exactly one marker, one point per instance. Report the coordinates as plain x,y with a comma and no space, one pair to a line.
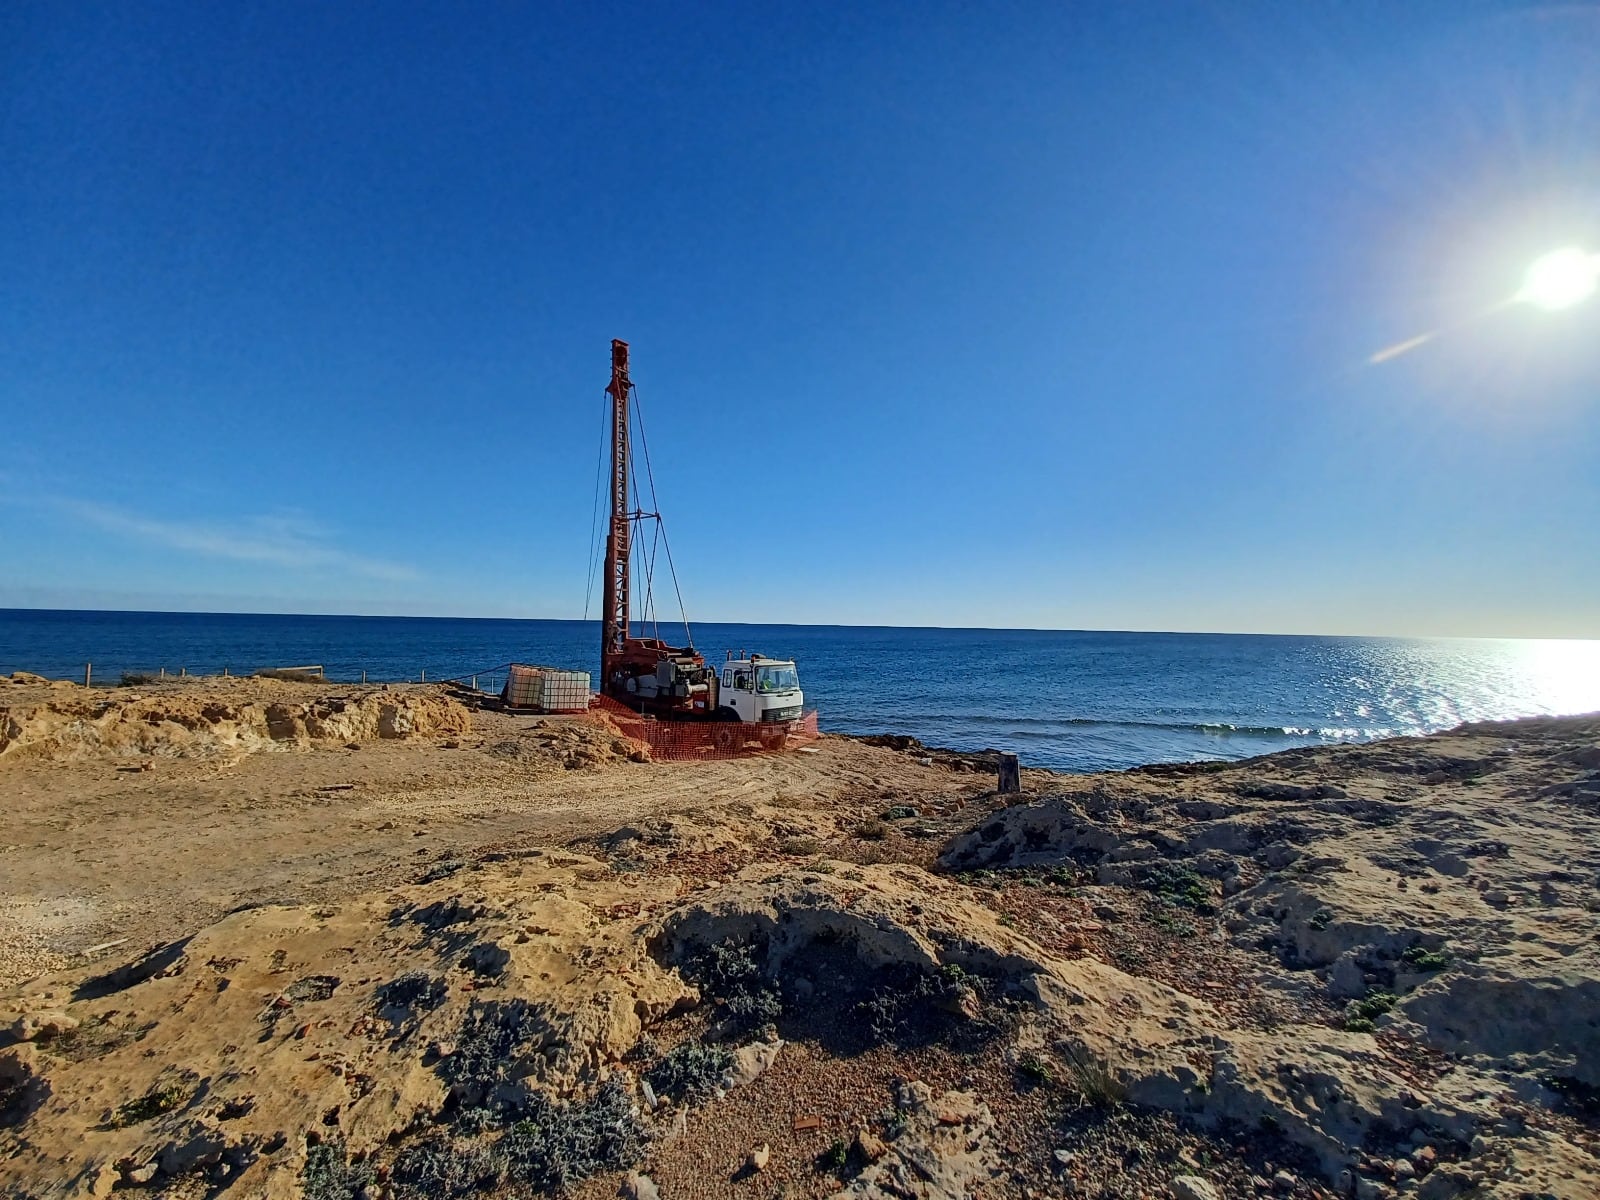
155,853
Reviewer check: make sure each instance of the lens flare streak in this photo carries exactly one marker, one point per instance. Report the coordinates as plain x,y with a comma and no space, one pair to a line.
1559,280
1399,348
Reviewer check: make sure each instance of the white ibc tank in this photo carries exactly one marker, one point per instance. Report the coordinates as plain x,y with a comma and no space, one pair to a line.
546,689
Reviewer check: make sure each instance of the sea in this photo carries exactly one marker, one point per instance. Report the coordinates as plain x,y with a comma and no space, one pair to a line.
1064,699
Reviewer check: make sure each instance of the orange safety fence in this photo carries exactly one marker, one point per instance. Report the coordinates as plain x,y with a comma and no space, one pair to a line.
703,740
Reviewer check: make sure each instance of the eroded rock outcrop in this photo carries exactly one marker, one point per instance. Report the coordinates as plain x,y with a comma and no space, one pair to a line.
1446,897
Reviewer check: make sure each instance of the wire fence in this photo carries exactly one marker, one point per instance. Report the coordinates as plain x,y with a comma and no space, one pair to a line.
488,680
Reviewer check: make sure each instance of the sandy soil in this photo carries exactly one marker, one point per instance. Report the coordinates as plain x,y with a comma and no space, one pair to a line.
366,945
141,847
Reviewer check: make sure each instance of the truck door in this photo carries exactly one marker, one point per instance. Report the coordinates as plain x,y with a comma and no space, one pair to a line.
742,697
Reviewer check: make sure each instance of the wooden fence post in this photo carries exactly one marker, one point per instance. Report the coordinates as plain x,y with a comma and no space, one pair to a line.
88,673
1010,774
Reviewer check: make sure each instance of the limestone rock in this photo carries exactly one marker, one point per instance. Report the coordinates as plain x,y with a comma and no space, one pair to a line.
139,1176
890,915
1320,866
566,945
1193,1187
946,1151
750,1062
869,1145
42,1026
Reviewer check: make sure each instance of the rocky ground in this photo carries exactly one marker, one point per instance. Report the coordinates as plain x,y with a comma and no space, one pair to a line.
447,953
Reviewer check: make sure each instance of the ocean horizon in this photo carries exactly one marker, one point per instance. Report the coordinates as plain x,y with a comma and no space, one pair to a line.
1077,700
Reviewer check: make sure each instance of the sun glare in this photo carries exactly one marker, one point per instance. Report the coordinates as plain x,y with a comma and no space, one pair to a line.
1561,279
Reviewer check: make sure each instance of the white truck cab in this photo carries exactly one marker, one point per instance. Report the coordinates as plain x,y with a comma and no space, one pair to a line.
759,690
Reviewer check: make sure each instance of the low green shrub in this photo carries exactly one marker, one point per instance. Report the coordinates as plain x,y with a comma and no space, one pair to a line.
834,1157
330,1175
1361,1015
1179,886
440,1166
556,1145
164,1096
1035,1070
692,1071
905,1000
549,1148
490,1036
1420,959
731,973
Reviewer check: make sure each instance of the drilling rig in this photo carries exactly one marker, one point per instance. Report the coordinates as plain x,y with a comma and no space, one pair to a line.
646,674
674,682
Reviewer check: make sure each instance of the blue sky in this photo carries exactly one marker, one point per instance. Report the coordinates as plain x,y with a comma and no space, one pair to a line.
1015,314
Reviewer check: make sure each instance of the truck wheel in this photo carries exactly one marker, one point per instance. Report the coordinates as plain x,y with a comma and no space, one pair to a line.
774,739
726,714
724,737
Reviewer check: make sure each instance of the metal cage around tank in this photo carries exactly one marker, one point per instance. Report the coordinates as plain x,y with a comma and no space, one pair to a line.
546,689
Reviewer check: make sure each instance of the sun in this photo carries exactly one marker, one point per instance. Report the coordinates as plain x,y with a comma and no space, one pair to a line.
1561,279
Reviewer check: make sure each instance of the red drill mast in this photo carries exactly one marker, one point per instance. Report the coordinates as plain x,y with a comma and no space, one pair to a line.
643,673
614,627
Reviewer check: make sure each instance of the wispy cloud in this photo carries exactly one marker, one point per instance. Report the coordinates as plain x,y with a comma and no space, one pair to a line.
285,540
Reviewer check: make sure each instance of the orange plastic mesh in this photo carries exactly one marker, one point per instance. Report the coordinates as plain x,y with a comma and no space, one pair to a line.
704,740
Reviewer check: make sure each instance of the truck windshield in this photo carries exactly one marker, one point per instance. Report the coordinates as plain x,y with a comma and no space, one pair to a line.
776,679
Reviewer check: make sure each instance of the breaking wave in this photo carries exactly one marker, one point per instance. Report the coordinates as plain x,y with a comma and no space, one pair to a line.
1044,727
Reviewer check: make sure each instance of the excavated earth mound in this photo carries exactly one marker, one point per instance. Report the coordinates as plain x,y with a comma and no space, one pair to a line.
63,721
